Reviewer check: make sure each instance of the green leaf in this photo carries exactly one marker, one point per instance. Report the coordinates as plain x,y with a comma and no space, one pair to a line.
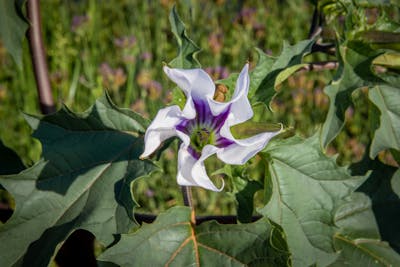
365,252
354,71
270,71
307,188
243,189
178,243
178,97
382,186
388,60
187,52
245,199
358,240
387,99
12,28
82,181
9,161
251,128
187,49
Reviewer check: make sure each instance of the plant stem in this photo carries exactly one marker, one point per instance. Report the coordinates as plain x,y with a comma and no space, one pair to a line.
187,196
316,23
38,58
187,200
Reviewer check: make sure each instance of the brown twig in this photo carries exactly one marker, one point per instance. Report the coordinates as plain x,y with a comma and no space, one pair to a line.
324,48
38,58
319,66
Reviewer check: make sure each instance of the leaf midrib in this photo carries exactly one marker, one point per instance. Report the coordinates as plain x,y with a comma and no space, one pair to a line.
363,249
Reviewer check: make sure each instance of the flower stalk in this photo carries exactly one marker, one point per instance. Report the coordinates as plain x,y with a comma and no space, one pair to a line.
187,201
187,196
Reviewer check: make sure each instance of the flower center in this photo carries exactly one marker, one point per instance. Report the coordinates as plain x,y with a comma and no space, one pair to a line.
204,129
200,137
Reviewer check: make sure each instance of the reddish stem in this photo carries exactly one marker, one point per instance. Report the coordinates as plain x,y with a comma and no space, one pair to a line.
39,58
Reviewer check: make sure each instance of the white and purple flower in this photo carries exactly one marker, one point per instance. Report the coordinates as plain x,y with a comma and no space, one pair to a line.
204,126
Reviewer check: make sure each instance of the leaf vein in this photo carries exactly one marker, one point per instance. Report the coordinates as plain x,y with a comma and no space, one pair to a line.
221,253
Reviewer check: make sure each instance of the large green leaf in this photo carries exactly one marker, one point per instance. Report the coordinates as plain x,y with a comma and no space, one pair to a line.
383,188
82,181
312,199
364,252
354,71
12,28
358,238
271,71
387,99
172,240
187,49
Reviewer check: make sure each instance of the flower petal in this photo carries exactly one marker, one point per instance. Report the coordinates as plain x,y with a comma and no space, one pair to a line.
194,82
242,150
189,111
191,172
242,83
185,165
240,108
184,137
199,173
162,128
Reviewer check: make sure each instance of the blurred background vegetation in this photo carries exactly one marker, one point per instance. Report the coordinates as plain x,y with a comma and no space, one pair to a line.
121,45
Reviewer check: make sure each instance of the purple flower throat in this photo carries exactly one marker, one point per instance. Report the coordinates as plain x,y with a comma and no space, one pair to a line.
204,129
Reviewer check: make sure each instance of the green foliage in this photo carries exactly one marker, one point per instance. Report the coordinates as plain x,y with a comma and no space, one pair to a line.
313,200
245,199
83,181
187,49
382,186
179,243
270,71
386,98
250,128
12,28
314,212
367,52
354,72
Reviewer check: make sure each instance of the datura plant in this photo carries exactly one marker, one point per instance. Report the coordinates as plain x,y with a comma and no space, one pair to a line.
295,206
204,126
